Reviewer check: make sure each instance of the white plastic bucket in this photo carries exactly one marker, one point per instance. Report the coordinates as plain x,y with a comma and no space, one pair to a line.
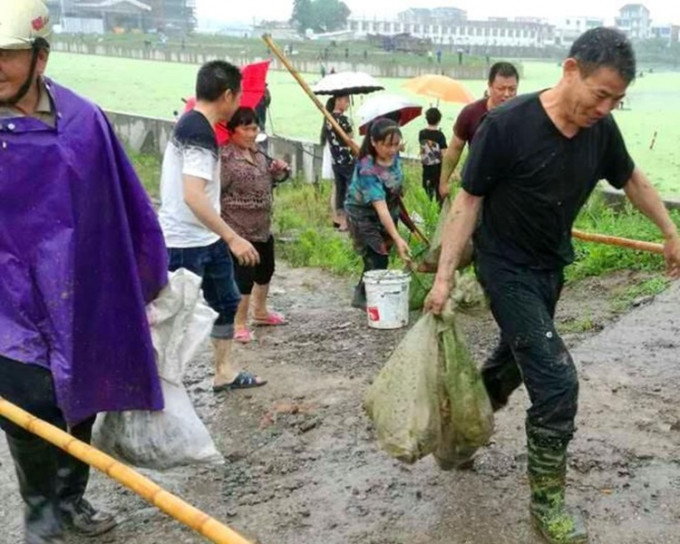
387,293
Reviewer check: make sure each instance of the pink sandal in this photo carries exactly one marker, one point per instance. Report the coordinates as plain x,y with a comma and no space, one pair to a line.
243,336
273,319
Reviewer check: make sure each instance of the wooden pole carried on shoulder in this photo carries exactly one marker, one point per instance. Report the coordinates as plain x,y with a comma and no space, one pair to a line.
305,87
172,505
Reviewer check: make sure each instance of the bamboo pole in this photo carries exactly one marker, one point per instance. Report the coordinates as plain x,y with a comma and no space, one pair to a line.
284,60
336,127
618,241
167,502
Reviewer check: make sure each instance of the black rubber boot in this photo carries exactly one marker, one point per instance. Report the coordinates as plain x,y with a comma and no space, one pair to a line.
35,462
547,467
359,298
72,477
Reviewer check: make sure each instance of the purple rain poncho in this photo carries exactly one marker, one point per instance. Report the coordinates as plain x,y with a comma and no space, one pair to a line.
81,252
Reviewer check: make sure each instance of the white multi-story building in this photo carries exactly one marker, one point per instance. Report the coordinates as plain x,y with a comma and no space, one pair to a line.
635,21
567,29
665,31
492,32
425,15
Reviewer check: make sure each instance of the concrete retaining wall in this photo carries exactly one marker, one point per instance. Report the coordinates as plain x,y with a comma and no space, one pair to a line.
151,135
200,56
616,198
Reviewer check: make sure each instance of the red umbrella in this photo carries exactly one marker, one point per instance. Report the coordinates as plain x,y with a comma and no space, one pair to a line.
252,86
388,105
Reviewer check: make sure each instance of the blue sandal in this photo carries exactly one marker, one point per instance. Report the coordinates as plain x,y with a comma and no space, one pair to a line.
244,380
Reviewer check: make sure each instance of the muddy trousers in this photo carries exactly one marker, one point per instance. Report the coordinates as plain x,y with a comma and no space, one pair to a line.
51,482
530,351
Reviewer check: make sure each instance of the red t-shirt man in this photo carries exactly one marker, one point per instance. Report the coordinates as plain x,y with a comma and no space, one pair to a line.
469,118
502,86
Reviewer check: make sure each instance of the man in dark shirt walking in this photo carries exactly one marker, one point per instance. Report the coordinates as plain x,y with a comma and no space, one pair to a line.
503,82
533,165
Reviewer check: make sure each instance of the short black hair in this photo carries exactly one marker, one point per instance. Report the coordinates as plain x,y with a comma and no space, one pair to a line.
433,116
41,43
242,117
503,69
215,78
603,47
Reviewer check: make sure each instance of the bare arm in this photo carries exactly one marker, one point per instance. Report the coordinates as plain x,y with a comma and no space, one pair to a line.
460,224
387,222
200,205
645,198
449,162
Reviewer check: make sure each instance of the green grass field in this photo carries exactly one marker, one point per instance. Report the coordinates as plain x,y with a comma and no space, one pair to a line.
155,89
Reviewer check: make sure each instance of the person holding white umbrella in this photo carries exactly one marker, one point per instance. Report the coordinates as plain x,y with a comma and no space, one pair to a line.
340,86
342,157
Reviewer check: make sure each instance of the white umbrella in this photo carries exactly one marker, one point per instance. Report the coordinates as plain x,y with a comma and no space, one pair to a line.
343,83
394,106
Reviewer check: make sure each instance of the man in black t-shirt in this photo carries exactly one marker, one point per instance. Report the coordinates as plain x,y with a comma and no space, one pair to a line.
432,144
533,165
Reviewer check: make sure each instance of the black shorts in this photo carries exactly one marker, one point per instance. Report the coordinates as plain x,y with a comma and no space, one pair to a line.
247,276
343,177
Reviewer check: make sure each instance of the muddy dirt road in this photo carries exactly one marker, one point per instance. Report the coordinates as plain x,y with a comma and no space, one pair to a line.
302,466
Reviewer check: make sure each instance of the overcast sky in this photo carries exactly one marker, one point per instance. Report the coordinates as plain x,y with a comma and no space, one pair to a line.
245,11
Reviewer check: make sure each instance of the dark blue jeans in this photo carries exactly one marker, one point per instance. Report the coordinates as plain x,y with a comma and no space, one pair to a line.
212,263
523,302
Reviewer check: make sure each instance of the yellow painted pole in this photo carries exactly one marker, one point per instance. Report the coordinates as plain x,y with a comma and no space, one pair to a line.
167,502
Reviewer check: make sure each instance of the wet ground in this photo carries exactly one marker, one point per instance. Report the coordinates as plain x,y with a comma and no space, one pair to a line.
302,465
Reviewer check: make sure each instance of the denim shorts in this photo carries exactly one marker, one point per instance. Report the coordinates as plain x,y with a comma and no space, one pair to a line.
212,263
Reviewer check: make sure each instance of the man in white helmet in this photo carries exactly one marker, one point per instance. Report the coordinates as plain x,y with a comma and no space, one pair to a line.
81,253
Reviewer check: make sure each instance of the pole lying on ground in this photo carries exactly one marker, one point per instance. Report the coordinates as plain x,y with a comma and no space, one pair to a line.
145,488
617,241
406,218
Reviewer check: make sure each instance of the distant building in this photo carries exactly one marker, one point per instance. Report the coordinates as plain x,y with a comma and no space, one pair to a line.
426,16
415,15
567,29
55,7
169,16
667,32
635,21
115,15
448,15
173,16
460,33
279,30
238,30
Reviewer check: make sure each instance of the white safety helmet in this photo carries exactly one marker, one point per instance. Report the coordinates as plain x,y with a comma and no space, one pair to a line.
23,23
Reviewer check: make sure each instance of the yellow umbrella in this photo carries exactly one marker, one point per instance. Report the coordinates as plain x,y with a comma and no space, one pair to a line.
439,87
